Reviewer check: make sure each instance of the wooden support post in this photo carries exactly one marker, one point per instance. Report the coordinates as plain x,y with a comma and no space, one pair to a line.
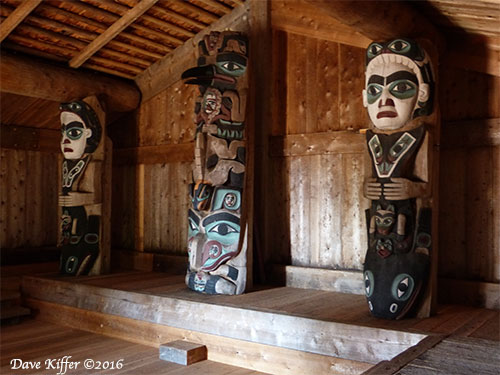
183,352
139,208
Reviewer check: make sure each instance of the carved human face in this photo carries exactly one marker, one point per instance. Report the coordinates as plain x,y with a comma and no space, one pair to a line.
390,95
74,135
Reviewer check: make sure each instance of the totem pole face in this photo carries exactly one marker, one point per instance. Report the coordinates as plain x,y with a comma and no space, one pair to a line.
214,244
74,136
395,90
399,88
81,130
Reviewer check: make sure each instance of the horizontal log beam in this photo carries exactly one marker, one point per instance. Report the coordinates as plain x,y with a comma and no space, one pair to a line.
381,20
168,70
36,79
31,139
16,17
302,18
174,153
341,142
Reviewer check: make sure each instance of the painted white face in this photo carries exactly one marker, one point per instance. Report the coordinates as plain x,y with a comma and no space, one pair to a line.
390,95
74,135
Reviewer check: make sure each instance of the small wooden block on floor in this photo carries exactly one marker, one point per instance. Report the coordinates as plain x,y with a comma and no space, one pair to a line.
183,352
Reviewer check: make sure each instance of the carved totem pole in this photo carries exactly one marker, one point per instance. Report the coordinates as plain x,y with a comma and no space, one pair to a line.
81,199
399,95
217,233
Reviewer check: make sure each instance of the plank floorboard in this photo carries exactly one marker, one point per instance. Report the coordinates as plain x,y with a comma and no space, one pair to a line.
58,341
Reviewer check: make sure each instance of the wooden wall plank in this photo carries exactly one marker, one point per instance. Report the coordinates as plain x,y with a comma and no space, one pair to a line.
354,238
326,87
330,207
297,79
352,114
300,193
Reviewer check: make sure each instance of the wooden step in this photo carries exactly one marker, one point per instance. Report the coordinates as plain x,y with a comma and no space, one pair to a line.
241,333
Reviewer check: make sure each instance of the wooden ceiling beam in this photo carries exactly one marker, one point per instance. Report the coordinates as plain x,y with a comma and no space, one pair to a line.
168,70
111,32
16,17
220,7
32,78
381,20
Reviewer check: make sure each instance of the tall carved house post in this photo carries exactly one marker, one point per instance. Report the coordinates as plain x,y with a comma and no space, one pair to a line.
85,195
400,263
217,232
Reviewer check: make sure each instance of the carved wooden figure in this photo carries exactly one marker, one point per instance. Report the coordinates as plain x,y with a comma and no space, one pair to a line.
217,238
399,96
84,229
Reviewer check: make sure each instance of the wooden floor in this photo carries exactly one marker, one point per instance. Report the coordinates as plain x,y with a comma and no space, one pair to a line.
274,330
37,341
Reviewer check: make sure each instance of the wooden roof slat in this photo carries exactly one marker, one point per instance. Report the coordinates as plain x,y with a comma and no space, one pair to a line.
76,45
16,17
170,13
218,6
81,22
160,23
111,32
146,31
83,35
190,8
121,69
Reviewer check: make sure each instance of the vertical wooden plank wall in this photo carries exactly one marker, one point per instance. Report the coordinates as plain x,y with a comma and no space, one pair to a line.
28,211
319,195
470,175
163,120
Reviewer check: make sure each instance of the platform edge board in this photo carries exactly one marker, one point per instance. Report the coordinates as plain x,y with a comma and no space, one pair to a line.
365,344
254,356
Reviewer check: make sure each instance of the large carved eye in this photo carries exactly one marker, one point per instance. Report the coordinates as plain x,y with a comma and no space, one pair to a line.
74,133
373,50
399,46
373,92
231,67
369,283
223,229
402,287
403,89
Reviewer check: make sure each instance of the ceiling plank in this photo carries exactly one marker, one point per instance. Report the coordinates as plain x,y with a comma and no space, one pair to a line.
16,17
125,21
381,20
33,78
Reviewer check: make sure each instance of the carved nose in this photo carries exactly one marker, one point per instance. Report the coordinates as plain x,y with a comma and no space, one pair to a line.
388,102
66,141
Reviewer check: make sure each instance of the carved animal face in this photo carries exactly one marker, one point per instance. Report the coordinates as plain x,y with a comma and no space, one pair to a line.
385,219
392,284
213,238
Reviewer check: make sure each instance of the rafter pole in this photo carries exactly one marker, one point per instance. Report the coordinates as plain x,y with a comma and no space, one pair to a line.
16,17
126,20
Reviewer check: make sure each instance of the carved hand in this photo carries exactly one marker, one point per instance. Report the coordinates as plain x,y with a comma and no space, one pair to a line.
74,199
372,189
402,188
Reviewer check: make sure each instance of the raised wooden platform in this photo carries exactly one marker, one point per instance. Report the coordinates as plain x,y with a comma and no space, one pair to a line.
279,330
